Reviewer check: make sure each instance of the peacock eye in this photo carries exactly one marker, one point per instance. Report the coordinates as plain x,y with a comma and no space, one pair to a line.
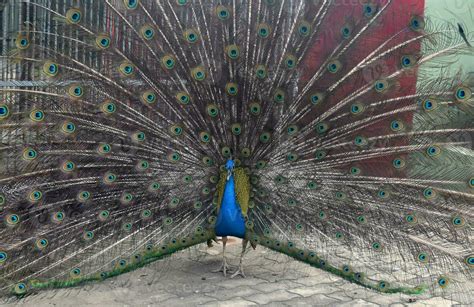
396,125
380,86
463,94
222,12
232,52
255,108
334,66
35,196
470,260
4,112
433,151
429,104
322,128
73,16
198,73
279,96
263,30
37,115
149,33
68,166
191,36
108,108
457,221
320,154
231,89
408,61
76,272
148,97
20,289
261,72
3,257
103,42
29,154
68,128
212,110
236,129
292,157
22,42
174,157
126,69
265,137
183,98
12,219
443,282
139,136
355,170
131,4
369,10
168,62
346,31
304,28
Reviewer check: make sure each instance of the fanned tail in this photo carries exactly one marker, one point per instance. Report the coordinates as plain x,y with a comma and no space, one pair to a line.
347,120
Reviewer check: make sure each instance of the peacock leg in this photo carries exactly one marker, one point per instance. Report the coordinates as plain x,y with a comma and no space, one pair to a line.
224,267
240,270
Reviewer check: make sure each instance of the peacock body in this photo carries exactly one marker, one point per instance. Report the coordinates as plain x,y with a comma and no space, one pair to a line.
330,131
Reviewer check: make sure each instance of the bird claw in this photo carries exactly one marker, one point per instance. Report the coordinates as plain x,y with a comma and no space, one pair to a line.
240,271
224,268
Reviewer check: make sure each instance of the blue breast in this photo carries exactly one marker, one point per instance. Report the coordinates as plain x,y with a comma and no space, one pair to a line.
230,221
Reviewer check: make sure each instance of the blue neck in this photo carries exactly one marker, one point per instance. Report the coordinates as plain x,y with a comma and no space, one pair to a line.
230,221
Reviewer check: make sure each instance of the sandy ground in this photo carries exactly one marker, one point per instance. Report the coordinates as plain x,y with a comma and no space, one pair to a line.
185,279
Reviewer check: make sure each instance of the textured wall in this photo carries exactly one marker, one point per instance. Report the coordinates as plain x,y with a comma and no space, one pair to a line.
456,11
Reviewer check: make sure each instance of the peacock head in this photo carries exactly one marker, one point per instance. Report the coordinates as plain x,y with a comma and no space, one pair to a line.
229,165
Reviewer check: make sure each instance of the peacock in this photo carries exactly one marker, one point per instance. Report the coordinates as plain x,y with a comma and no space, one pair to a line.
339,133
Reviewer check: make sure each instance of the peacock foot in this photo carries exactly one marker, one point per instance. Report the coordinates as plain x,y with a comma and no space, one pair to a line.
240,271
224,268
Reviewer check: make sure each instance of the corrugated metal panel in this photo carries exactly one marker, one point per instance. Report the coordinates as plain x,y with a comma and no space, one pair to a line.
18,16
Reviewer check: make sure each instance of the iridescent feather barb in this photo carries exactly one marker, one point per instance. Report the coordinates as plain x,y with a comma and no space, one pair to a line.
350,131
